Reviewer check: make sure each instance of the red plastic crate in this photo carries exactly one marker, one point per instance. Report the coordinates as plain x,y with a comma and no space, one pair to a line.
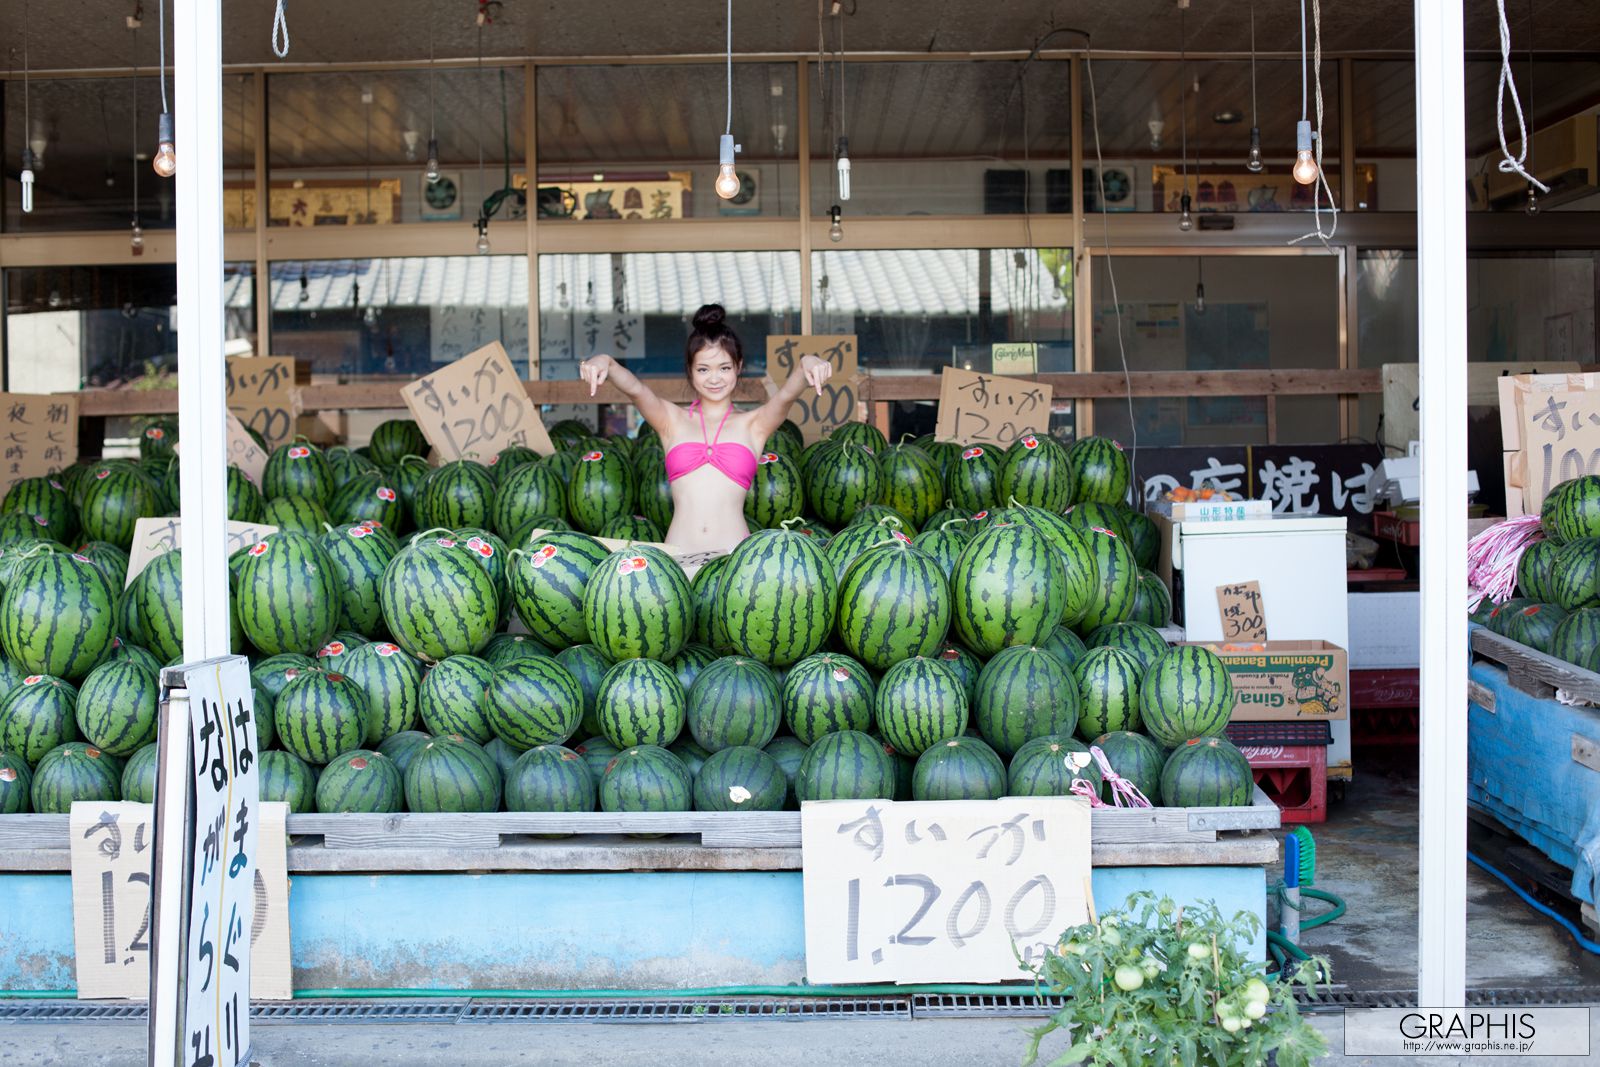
1290,764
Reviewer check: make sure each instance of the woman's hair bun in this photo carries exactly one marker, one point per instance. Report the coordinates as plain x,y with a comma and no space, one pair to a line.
709,317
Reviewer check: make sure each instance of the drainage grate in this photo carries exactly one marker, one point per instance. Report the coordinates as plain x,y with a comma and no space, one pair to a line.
984,1005
1340,999
359,1011
705,1009
29,1011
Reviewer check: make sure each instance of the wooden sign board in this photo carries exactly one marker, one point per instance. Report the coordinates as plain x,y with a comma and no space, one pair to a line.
155,537
112,852
243,452
41,435
990,409
1554,430
1017,358
952,891
1244,615
840,401
262,393
475,407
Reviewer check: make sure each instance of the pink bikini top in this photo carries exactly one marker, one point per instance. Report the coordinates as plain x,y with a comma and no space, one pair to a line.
729,457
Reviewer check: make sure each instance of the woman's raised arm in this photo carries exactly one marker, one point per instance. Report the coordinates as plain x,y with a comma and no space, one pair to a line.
602,368
769,416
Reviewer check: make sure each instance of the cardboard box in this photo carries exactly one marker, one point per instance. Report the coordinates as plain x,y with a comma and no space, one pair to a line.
1221,510
1291,681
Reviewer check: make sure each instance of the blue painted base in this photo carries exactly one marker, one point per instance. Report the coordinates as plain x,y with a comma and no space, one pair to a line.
543,931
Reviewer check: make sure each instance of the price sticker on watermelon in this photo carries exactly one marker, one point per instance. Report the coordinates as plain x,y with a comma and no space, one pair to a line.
954,891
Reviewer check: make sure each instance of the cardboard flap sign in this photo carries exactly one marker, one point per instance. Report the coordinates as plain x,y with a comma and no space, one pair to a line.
262,393
476,407
990,409
41,435
817,415
1244,616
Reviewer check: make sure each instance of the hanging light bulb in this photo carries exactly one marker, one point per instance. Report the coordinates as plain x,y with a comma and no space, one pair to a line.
483,236
355,294
727,184
835,231
305,288
27,179
1305,164
1532,206
136,238
1200,298
844,168
431,171
165,162
1185,220
1253,162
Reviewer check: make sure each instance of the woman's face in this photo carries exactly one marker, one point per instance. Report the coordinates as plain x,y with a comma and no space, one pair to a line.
715,373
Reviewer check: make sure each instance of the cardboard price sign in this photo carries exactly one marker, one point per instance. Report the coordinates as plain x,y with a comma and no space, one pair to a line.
990,409
951,891
1018,358
841,394
1560,436
1244,616
156,537
261,392
476,407
41,435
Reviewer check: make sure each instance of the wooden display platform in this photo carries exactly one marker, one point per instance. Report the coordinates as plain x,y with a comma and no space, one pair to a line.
1531,671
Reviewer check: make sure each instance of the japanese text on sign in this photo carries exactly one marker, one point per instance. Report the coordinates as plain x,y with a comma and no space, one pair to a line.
933,892
156,537
1562,431
1244,616
261,392
41,436
990,409
841,394
1296,479
476,407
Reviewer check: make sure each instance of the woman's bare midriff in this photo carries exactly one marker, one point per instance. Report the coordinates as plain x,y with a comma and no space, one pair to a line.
707,505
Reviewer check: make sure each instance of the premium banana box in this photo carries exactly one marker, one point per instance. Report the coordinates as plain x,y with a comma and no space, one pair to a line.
1286,680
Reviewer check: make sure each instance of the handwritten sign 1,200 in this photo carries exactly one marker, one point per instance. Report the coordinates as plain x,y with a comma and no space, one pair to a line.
475,407
989,408
816,415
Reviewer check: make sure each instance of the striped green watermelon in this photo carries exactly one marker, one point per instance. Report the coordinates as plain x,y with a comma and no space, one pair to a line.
638,603
602,487
1187,693
407,477
776,597
568,433
1008,589
1500,615
689,662
919,702
1207,772
295,514
45,499
319,715
843,479
265,715
451,699
962,768
632,528
1535,626
534,702
845,547
505,649
905,772
401,747
159,439
347,464
973,482
640,703
894,603
121,652
1077,557
708,628
1065,645
117,708
943,546
1116,577
1534,569
11,676
438,600
965,666
452,774
1577,638
16,785
138,776
360,781
167,479
847,765
1572,510
734,702
1152,602
687,749
1108,683
1100,469
273,674
244,499
20,532
460,493
547,579
493,555
740,778
112,561
875,514
504,756
1134,757
530,491
863,434
1144,643
58,615
508,461
156,596
1024,692
1144,539
288,593
37,716
646,778
1036,473
776,494
368,496
597,754
288,779
1093,516
789,752
549,778
910,483
1048,767
359,557
72,772
654,489
1574,579
394,439
115,499
827,693
955,518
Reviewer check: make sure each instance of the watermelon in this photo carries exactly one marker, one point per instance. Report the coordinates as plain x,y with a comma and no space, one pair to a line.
16,785
1572,510
1187,693
295,514
359,556
347,464
787,435
734,702
319,715
1024,692
549,778
438,600
287,778
875,514
288,595
827,693
451,699
740,778
547,579
121,652
910,483
973,481
638,603
47,503
965,666
407,477
116,497
894,603
72,772
962,768
508,461
654,487
640,703
1577,638
1144,643
632,528
452,774
1499,617
159,439
848,545
20,531
859,433
265,715
1108,683
37,716
58,615
1152,602
1144,539
919,702
112,561
395,439
460,493
1207,772
1077,558
1116,576
1134,757
534,702
689,662
1050,767
601,488
504,756
362,781
138,776
789,752
401,747
1535,626
1535,569
1008,589
943,546
529,492
847,765
597,754
273,674
1574,579
244,499
646,778
506,649
156,595
1065,645
1100,470
776,494
117,708
687,749
776,597
1092,516
368,497
707,621
843,479
1036,472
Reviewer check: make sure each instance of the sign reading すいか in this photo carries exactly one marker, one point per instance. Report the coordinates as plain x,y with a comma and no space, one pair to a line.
990,409
841,394
952,891
476,407
262,393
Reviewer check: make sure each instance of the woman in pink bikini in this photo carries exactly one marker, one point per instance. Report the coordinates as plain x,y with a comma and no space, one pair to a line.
710,470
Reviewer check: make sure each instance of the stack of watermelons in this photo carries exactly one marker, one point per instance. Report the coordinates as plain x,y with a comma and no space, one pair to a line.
1557,606
919,620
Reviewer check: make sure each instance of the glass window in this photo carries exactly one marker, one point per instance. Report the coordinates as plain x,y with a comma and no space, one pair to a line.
947,138
1260,312
641,142
352,148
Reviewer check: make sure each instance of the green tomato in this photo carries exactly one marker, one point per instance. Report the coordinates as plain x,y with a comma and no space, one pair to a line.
1199,950
1226,1010
1128,978
1150,968
1257,990
1111,937
1232,1025
1075,949
1254,1009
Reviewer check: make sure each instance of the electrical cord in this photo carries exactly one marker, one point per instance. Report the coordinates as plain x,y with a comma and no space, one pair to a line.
1511,164
161,40
1321,185
729,127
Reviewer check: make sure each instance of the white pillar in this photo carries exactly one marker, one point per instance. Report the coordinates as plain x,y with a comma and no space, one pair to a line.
1442,318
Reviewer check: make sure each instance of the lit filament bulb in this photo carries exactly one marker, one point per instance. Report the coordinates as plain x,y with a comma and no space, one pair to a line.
1253,162
431,171
1185,220
835,231
727,183
1305,164
165,162
483,236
